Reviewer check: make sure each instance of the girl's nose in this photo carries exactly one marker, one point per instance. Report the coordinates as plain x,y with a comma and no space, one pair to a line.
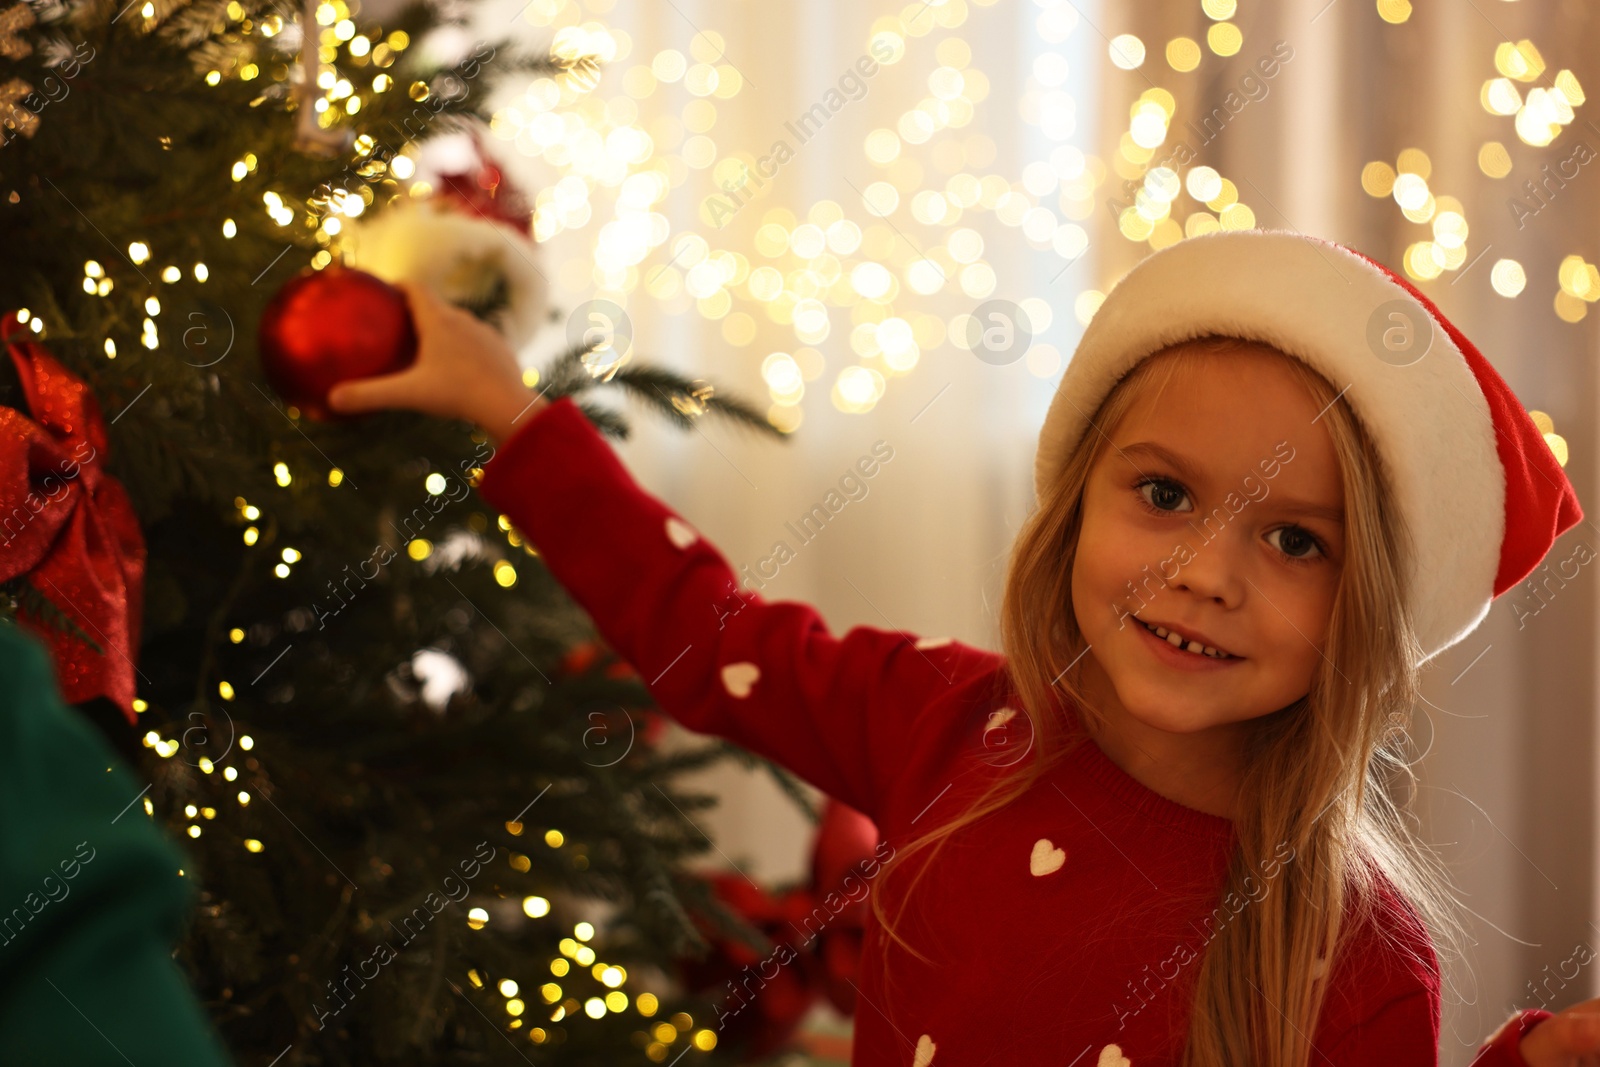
1214,569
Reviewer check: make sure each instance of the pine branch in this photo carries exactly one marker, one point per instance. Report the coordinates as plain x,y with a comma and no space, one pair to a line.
682,400
193,21
791,786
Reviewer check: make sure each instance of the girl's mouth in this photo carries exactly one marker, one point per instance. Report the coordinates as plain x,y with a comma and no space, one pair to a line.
1167,644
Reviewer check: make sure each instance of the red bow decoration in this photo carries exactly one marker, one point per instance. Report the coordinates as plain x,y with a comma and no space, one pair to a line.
816,931
69,527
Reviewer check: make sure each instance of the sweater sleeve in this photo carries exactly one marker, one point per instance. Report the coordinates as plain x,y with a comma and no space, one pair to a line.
93,897
838,711
1402,1033
1504,1046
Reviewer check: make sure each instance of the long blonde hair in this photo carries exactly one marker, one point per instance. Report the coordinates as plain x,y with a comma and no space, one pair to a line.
1324,775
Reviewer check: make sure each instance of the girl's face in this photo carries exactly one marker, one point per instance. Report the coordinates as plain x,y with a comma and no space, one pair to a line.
1214,511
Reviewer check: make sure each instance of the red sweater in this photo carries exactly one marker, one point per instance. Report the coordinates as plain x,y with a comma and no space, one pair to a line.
1065,929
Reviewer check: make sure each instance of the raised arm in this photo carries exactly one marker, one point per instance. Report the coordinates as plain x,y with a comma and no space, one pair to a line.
842,712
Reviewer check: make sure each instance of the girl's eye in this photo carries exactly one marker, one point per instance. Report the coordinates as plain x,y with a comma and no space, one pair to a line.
1165,491
1298,544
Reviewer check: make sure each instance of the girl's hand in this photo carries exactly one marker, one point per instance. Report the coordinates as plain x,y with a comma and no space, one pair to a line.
1567,1039
464,370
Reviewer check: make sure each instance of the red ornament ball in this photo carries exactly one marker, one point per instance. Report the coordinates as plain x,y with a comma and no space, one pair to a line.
329,326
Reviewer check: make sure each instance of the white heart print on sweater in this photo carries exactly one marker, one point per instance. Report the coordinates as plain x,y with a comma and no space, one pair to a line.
1046,858
680,533
925,1050
1111,1056
737,678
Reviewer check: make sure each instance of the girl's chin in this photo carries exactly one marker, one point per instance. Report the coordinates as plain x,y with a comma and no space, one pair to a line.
1175,712
1175,720
1175,715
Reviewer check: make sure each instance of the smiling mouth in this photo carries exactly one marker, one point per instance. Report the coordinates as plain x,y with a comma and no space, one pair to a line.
1196,647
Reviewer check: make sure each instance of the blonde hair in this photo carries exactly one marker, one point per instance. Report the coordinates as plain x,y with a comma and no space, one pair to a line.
1322,775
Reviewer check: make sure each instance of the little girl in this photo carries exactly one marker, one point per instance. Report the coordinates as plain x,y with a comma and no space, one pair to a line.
1159,830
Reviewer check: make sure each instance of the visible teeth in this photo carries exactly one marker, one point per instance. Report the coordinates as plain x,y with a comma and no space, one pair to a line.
1193,646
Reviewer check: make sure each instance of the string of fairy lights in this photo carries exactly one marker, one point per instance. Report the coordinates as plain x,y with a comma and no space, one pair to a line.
557,1002
792,268
539,1011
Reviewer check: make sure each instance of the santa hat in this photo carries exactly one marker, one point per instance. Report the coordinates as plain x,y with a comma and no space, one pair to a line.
1477,485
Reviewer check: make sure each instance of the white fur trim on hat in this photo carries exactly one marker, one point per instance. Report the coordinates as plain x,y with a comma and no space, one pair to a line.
459,256
1313,300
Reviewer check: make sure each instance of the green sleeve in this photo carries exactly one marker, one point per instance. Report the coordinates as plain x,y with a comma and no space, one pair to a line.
91,901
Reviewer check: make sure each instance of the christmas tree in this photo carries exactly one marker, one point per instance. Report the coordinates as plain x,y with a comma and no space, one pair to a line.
426,817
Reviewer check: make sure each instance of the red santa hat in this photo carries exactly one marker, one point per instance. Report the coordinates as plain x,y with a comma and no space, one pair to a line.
1478,487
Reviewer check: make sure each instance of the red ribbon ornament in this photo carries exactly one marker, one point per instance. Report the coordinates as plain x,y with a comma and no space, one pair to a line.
69,527
817,930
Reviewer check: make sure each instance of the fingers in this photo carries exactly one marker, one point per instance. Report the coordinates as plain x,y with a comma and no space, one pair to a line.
368,394
1569,1038
426,305
398,388
353,397
456,354
415,292
436,319
416,295
1579,1032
